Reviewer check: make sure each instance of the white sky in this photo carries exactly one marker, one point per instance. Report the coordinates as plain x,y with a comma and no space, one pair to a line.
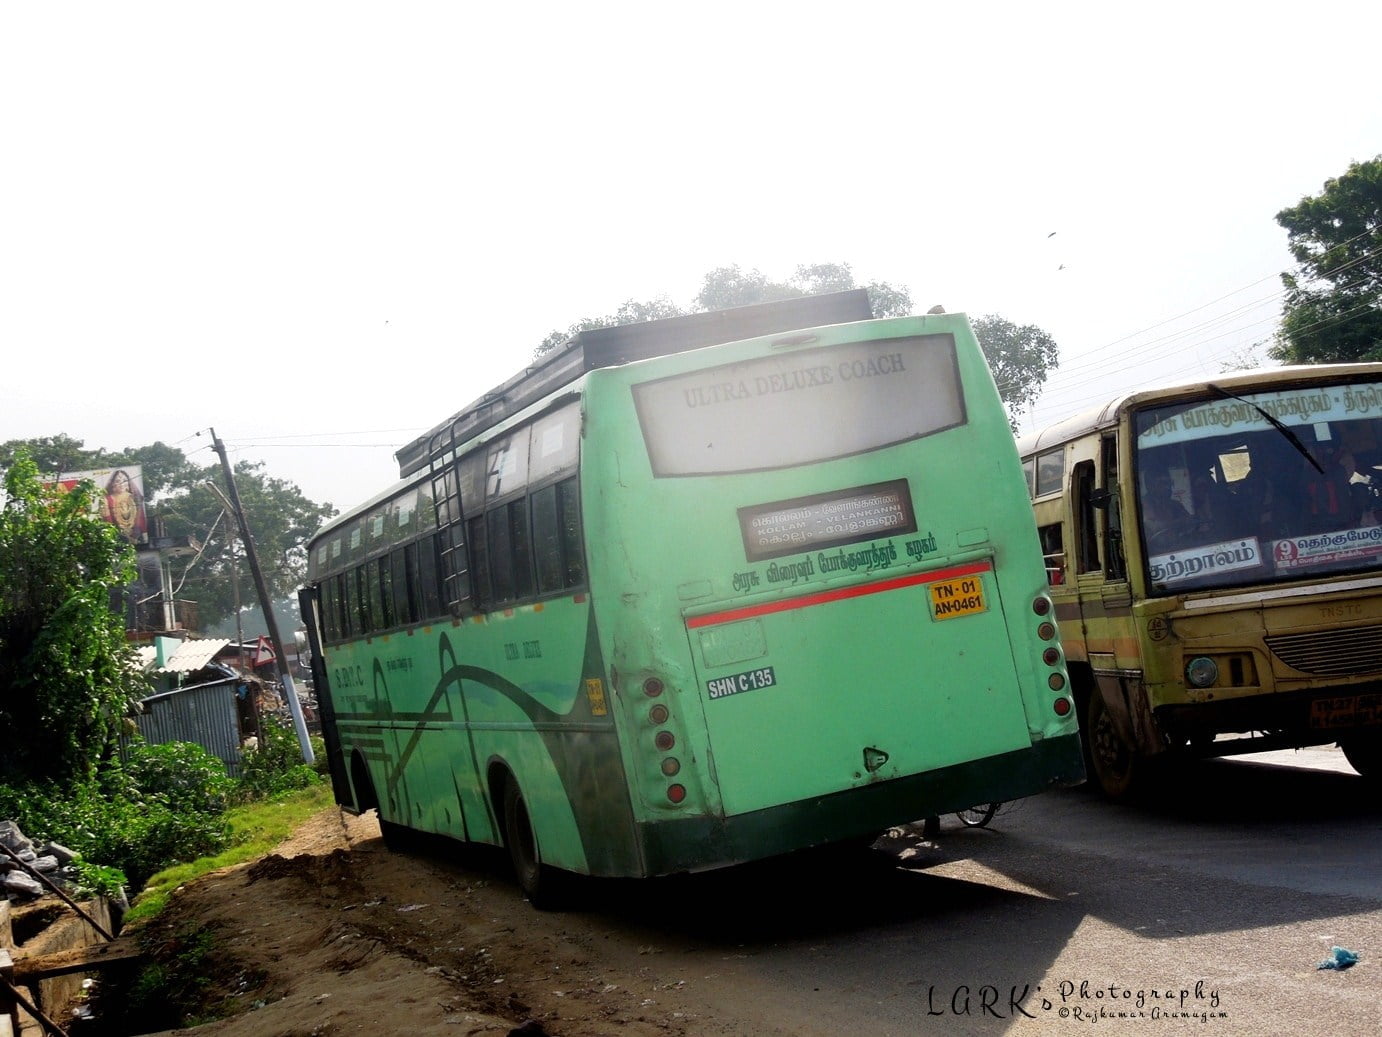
321,228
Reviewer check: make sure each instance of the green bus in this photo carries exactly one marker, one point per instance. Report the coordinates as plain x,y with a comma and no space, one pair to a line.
695,592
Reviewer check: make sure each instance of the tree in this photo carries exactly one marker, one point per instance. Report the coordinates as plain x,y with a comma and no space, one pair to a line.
280,518
1333,305
729,286
631,312
67,674
1019,357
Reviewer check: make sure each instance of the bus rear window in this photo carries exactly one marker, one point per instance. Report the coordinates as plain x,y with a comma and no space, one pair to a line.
800,407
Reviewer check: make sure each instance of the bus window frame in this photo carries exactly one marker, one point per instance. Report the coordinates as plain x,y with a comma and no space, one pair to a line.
1111,534
1054,464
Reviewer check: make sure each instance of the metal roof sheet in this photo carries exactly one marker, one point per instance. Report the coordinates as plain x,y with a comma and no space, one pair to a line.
189,656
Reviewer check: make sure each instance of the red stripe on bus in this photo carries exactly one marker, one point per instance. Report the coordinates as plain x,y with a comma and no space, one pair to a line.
820,598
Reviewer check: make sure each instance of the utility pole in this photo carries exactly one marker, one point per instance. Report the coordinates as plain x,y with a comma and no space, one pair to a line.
266,603
229,513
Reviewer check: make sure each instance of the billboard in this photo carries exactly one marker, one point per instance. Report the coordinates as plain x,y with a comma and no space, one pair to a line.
119,498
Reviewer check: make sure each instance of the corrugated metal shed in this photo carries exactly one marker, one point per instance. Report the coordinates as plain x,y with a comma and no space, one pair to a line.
205,714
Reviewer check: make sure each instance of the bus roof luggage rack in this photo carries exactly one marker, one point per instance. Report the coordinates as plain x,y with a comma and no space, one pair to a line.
611,347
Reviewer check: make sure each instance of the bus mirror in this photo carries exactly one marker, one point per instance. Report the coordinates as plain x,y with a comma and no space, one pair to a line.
1100,498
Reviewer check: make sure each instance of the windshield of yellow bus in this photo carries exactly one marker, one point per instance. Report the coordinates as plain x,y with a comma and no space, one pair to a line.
1252,487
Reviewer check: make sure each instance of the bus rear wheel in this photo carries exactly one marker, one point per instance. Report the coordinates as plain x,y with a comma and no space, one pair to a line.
537,880
1113,760
395,836
1364,753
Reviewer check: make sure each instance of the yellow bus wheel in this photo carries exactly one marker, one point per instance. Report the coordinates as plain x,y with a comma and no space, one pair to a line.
1113,759
1364,753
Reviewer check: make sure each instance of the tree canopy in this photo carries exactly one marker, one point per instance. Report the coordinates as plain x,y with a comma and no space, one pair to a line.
280,518
1332,310
1020,356
67,673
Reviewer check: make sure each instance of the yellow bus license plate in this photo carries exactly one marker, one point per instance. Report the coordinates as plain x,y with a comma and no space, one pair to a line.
963,596
1346,711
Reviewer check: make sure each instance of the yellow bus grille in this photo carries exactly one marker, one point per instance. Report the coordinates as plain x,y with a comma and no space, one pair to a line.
1331,653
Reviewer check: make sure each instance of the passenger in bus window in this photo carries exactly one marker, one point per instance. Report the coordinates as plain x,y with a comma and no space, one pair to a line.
1209,497
1343,498
1163,515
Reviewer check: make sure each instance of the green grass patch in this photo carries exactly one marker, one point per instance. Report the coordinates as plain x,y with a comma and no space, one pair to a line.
256,829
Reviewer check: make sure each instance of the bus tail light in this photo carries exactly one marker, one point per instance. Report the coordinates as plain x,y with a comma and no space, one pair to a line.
1061,706
664,736
1041,605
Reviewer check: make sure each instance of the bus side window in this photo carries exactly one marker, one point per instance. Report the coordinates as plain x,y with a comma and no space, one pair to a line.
547,540
425,577
342,607
350,610
403,600
332,630
384,614
363,626
1053,550
1086,536
557,537
520,548
569,509
480,563
1050,471
500,555
1029,473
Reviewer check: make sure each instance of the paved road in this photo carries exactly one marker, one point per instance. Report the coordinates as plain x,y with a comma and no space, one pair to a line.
1206,907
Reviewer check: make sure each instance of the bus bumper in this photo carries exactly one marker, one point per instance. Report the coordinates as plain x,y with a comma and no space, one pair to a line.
701,843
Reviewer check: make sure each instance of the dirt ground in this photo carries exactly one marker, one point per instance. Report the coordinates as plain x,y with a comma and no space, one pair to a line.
333,934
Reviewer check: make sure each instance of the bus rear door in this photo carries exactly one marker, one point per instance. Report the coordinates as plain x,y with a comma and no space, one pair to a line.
815,684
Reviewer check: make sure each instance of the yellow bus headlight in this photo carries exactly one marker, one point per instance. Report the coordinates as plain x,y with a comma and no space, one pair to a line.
1201,672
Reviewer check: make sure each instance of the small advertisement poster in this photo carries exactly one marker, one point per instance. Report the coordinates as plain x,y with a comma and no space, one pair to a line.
1343,546
119,498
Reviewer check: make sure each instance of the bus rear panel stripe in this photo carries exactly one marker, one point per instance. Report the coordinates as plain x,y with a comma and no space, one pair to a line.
839,594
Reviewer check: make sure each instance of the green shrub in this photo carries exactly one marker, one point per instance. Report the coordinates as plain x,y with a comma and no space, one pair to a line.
99,880
276,766
111,822
183,774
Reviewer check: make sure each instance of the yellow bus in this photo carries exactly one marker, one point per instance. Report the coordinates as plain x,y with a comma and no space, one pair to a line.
1215,557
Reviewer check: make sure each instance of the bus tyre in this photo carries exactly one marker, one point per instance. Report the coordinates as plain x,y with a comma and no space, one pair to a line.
1364,753
1113,760
395,836
536,879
